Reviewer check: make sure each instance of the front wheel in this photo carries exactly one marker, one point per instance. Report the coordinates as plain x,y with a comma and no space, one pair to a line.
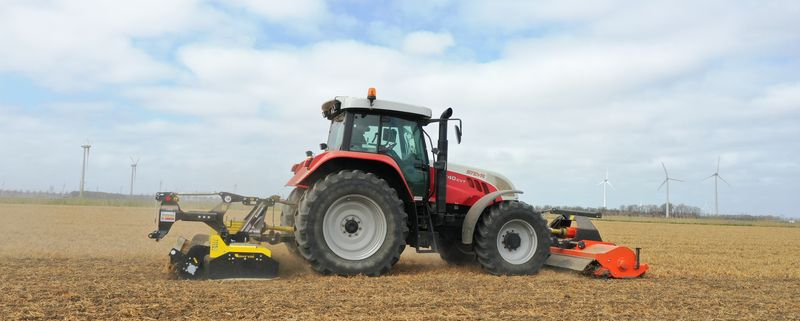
512,239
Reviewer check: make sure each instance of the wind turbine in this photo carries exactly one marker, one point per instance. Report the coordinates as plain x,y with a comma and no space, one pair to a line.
605,182
666,181
716,177
86,148
134,163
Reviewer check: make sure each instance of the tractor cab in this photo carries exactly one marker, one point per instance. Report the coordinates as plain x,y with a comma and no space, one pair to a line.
381,127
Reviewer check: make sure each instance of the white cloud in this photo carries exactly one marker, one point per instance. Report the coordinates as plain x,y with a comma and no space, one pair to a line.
569,106
427,43
283,10
618,86
510,15
300,15
83,44
781,98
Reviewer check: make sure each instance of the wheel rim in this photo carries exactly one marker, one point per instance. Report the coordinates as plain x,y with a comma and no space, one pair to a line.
517,241
354,227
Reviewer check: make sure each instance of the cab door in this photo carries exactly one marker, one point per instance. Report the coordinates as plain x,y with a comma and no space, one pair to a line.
401,139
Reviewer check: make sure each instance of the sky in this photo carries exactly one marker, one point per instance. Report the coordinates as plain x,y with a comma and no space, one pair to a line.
224,95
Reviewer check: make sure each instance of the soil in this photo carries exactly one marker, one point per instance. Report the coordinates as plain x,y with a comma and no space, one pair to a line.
91,262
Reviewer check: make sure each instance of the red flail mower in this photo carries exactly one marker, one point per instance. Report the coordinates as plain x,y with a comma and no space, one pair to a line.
577,245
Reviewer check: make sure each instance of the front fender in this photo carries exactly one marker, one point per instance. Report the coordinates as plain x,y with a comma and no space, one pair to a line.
474,213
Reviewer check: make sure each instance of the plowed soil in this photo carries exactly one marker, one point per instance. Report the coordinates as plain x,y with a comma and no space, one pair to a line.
89,263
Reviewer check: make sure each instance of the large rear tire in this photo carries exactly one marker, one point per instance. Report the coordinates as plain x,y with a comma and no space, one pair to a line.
288,215
512,239
351,223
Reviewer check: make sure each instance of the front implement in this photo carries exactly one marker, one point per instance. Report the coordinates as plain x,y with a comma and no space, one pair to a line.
581,248
232,249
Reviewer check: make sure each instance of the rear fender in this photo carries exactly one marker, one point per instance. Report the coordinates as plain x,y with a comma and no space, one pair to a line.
307,173
474,213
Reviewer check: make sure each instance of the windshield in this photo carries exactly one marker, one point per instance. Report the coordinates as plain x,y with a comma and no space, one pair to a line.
336,133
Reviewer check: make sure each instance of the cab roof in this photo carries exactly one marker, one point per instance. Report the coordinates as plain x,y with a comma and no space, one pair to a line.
347,102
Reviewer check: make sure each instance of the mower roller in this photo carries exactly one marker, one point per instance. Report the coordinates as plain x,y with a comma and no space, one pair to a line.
373,191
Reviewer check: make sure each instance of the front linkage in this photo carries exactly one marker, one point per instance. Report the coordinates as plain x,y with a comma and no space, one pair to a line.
228,251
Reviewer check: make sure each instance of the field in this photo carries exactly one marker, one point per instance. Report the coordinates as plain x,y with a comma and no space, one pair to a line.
94,262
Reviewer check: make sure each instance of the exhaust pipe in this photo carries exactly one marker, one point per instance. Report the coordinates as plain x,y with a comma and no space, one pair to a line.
441,163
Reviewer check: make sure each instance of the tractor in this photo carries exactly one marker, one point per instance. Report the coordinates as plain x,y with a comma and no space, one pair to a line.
373,191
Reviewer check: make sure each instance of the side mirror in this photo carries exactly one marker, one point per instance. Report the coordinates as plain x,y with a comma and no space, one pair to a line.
323,146
458,134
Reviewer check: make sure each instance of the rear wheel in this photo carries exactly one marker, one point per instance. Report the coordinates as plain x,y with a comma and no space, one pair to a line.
350,223
512,239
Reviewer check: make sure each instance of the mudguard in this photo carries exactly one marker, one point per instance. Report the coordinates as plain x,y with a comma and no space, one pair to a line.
474,213
304,169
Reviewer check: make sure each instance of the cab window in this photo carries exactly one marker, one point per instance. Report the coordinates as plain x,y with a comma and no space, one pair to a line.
402,140
364,137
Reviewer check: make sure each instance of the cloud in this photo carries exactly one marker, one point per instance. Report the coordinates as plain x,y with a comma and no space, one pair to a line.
510,15
283,10
560,92
302,16
427,43
781,98
84,44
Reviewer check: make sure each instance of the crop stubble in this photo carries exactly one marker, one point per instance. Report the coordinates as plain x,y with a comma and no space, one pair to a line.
78,263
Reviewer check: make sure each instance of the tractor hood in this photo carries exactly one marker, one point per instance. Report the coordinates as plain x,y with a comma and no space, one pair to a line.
497,180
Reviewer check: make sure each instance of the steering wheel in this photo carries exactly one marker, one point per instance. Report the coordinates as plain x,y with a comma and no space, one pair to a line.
389,148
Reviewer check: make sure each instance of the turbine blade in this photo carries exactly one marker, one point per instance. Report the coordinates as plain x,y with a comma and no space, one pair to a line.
710,176
718,157
665,169
679,180
601,183
662,184
612,186
726,182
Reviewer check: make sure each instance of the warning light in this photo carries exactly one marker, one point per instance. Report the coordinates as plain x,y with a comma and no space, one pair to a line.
371,95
